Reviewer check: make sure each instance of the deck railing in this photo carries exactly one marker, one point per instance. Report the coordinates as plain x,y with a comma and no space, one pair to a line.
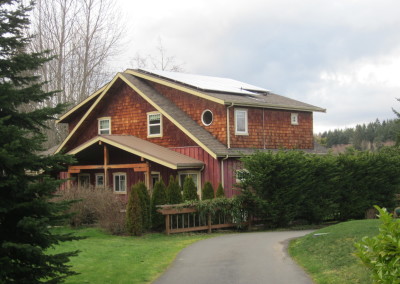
180,220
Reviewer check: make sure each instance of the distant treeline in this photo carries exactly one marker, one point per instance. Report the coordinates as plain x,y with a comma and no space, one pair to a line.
363,137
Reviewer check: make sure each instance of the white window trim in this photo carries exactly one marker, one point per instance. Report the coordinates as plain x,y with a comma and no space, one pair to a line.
212,117
152,173
82,175
97,175
198,180
126,182
148,125
246,132
109,123
294,118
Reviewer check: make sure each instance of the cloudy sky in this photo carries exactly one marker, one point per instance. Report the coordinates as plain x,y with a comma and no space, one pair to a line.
342,55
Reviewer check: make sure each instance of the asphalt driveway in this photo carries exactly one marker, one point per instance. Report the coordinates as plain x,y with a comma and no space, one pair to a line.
237,258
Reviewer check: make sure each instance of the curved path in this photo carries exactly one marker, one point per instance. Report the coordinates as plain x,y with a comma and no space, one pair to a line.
237,258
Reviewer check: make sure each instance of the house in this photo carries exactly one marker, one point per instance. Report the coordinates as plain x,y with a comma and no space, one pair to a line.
146,125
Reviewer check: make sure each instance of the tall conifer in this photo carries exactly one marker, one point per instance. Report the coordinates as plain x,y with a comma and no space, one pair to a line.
26,188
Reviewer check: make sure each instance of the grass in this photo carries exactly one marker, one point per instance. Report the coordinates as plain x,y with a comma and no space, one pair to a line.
122,259
329,258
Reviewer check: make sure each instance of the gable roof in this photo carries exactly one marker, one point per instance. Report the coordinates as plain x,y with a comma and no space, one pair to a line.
137,80
223,90
85,103
145,149
177,116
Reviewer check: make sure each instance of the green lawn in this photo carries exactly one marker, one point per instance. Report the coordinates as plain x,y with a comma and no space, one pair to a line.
329,258
122,259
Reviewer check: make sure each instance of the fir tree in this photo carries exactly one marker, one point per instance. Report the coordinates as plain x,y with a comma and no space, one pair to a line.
189,189
145,205
208,191
220,191
26,188
174,194
134,220
159,197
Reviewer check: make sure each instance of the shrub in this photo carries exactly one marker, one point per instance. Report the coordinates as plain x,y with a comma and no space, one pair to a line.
174,195
189,189
145,205
134,220
95,206
208,191
159,197
314,188
381,253
220,191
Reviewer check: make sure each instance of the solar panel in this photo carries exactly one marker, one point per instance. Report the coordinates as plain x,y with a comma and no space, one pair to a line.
208,83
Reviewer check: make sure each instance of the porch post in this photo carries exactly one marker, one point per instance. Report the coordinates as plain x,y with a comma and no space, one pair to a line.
148,176
106,160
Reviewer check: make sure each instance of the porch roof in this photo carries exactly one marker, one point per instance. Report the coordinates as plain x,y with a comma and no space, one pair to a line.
145,149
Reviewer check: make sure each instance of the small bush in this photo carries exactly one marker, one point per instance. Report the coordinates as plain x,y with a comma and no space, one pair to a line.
134,220
95,206
174,195
208,191
159,197
189,189
220,191
382,253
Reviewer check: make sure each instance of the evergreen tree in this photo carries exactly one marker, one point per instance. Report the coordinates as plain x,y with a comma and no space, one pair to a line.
208,191
159,197
134,220
220,191
145,205
26,188
174,195
189,189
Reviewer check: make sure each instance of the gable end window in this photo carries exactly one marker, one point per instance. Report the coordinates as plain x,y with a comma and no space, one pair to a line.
154,124
294,118
207,117
119,183
241,122
104,125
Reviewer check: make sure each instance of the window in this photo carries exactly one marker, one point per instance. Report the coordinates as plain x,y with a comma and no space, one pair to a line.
99,180
104,125
294,118
207,117
154,122
241,122
120,182
196,178
241,175
83,180
155,177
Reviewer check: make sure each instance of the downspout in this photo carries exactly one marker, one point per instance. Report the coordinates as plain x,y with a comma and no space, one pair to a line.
222,171
263,127
228,134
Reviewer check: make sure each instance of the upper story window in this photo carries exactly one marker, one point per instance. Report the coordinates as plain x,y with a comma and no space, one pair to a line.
154,124
241,122
294,118
105,125
207,117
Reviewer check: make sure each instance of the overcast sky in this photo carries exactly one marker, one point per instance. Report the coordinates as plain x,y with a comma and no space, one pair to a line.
342,55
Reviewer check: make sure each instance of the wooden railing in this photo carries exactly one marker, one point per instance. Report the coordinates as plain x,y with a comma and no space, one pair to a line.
180,220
